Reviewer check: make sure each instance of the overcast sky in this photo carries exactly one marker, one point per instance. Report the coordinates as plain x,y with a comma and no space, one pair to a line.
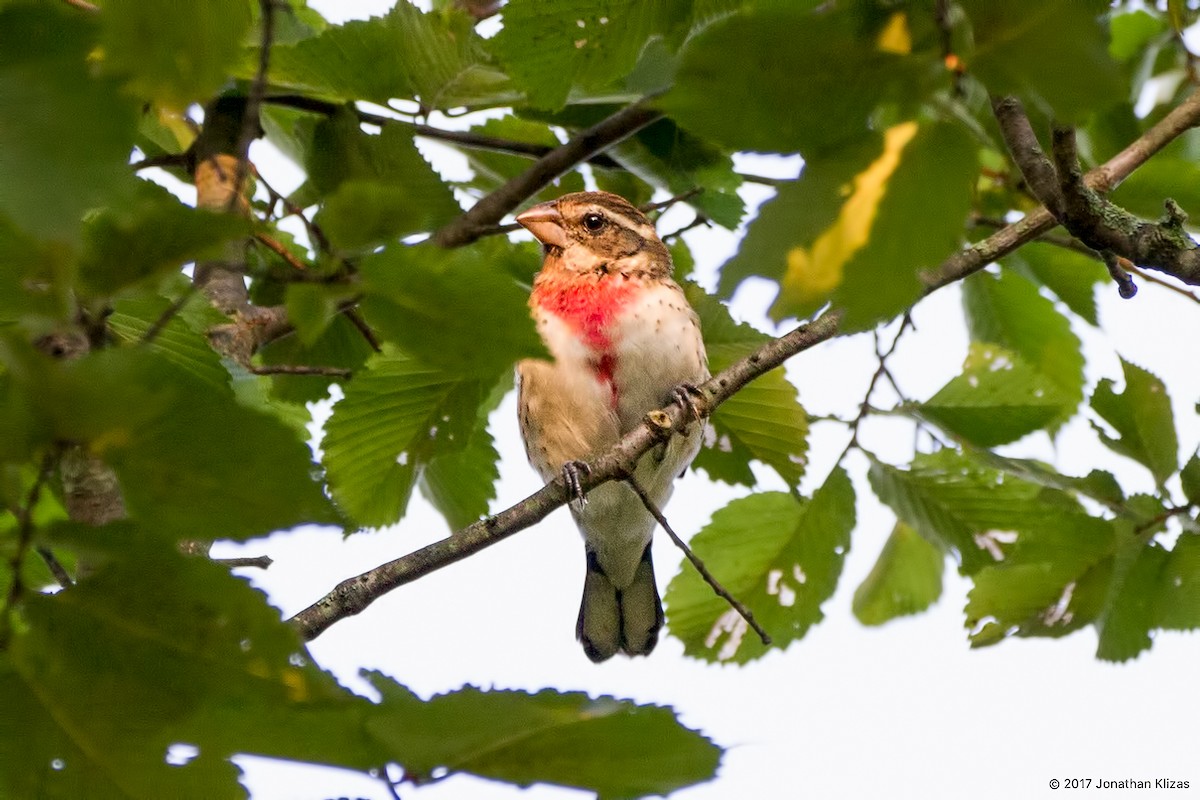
902,711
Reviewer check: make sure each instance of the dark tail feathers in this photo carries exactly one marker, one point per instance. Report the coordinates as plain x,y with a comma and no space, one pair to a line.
626,620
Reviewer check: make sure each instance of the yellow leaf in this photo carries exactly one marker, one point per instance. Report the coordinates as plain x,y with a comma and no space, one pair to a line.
812,274
895,36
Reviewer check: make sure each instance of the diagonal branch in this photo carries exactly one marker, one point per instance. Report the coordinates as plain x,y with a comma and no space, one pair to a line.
353,595
491,209
1102,179
1084,212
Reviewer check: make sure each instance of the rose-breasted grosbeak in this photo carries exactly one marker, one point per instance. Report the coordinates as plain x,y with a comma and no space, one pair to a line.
623,339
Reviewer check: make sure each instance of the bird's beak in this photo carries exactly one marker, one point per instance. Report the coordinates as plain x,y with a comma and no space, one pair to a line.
545,223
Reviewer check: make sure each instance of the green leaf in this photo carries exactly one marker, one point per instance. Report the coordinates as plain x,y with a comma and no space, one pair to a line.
1189,476
610,747
847,73
492,169
1130,613
436,59
1071,276
1007,310
156,648
398,415
779,555
189,458
764,421
65,136
1132,31
1178,595
176,342
150,235
457,309
551,47
996,400
339,345
1142,420
906,578
170,53
857,229
311,308
1020,49
669,157
985,516
379,187
35,277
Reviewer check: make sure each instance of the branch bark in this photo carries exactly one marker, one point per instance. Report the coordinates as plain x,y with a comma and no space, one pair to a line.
1102,179
353,595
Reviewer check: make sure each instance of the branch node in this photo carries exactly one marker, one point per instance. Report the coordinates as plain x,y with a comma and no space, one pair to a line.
1125,285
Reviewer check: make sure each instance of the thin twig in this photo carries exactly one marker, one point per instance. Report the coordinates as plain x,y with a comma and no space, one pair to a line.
277,247
300,369
363,328
467,227
259,562
737,605
470,139
315,234
251,128
83,5
662,205
699,221
1150,277
164,160
56,568
171,311
865,409
355,594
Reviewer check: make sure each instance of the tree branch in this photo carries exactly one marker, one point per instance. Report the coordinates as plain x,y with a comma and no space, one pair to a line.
353,595
1088,216
491,209
1102,179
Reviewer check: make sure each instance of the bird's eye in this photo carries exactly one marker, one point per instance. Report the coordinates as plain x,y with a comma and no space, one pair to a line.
593,221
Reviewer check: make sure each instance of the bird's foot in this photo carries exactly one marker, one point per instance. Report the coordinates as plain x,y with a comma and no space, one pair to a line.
571,472
684,395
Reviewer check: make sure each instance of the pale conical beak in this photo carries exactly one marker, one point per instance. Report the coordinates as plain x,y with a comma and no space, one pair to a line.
545,223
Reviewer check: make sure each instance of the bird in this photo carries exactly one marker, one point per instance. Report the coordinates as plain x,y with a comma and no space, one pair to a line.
623,341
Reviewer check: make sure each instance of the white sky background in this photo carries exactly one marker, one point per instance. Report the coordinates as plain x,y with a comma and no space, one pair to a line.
902,711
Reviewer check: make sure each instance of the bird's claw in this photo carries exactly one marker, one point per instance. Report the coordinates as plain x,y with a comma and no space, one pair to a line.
571,472
684,395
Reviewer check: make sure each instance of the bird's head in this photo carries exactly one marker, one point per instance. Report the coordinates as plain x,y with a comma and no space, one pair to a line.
589,231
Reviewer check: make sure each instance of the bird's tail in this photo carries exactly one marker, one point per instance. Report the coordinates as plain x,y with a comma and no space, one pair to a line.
612,619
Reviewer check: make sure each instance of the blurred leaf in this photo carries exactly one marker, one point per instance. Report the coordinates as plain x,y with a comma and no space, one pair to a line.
172,53
1167,176
1131,31
1178,594
1007,310
379,186
1020,49
858,229
455,309
176,342
436,59
550,46
665,155
779,555
1189,477
611,747
396,417
190,459
764,421
997,399
1071,276
154,649
36,277
906,578
1142,420
847,73
491,169
149,235
1129,615
311,308
65,137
